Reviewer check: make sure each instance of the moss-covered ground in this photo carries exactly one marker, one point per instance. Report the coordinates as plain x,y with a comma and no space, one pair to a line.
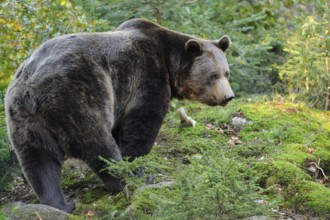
276,165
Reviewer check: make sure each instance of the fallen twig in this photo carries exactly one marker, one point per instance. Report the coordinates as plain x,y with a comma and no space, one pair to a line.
39,217
318,167
185,118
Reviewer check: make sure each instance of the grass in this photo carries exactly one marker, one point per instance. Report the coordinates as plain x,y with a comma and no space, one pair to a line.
214,179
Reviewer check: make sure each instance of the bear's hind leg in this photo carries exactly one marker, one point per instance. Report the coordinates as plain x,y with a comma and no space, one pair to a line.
42,169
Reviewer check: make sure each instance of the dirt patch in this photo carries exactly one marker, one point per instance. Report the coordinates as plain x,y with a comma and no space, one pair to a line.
21,192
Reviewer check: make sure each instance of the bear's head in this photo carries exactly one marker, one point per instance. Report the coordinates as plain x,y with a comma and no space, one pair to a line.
208,73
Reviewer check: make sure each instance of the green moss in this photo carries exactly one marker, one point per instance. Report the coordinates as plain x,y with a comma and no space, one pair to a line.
205,114
2,215
283,122
15,211
75,217
312,197
296,153
281,132
91,195
275,145
107,205
78,179
253,149
324,155
282,172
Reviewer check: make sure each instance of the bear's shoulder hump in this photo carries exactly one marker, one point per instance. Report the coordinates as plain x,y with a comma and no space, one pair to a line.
137,24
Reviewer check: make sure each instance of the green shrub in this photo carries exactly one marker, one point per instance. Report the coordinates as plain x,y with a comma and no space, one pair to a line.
211,186
28,23
216,187
7,157
306,72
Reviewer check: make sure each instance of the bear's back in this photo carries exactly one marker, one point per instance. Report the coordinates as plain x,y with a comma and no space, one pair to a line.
71,50
139,24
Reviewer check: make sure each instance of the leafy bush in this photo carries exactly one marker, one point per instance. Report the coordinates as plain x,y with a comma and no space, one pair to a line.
26,24
216,187
211,186
306,73
259,30
254,48
7,156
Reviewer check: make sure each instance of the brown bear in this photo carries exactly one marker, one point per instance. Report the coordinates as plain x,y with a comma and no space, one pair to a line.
92,95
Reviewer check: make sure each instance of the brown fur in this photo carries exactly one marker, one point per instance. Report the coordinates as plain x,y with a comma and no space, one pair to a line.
105,94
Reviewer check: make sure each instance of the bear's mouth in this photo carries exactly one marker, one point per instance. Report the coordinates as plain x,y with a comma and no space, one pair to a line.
213,101
224,103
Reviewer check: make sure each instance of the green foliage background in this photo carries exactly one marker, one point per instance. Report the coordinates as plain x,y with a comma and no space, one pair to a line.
278,46
26,24
270,38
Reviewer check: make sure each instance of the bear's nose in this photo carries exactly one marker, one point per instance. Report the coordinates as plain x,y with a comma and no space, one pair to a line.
229,98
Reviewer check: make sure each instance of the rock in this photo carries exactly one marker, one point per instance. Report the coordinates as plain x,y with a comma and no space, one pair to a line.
238,122
257,217
21,211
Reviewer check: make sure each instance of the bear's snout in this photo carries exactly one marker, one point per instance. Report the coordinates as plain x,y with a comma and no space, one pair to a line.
228,98
220,94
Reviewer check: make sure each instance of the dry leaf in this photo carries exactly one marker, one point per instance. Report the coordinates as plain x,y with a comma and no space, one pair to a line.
90,214
291,110
209,126
234,141
324,181
310,150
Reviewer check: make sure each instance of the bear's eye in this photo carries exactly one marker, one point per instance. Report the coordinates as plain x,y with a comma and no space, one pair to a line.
227,74
214,76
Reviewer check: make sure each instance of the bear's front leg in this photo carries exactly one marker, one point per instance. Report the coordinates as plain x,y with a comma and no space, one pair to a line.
138,129
107,149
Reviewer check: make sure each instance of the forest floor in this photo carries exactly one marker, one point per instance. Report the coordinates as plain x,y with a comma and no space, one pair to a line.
258,156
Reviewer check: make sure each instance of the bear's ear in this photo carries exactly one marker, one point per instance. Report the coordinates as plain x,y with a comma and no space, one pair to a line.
193,46
224,43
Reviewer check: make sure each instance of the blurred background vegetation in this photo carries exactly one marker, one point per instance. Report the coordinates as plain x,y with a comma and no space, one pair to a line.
278,46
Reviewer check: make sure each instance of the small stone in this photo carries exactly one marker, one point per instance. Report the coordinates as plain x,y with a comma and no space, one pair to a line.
238,122
257,217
